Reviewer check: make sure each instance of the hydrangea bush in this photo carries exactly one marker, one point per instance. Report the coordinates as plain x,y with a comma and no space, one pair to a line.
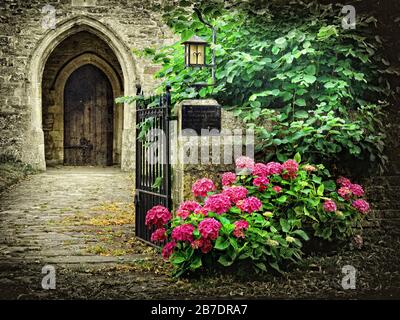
262,216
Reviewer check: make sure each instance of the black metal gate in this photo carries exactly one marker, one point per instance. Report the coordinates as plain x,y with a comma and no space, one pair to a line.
153,172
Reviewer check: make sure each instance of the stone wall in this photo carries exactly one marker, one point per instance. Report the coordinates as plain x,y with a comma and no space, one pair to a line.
26,44
207,156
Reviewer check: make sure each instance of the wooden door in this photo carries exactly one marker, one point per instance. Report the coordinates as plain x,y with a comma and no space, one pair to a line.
88,118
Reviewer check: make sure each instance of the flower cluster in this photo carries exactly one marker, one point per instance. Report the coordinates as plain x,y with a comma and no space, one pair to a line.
202,187
158,216
240,227
249,205
186,208
228,178
309,168
330,206
201,210
168,249
261,183
345,193
348,189
260,170
274,168
183,232
235,193
218,203
209,228
361,205
205,245
159,235
356,189
244,163
290,167
343,182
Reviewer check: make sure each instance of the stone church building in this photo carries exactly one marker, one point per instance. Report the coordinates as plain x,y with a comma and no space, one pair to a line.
62,64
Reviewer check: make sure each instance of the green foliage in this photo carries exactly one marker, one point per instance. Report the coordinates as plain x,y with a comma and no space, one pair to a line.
290,72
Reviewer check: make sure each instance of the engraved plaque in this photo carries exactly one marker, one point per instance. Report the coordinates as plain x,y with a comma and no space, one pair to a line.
201,117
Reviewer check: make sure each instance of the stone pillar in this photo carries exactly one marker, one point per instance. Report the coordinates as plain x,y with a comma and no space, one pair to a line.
195,156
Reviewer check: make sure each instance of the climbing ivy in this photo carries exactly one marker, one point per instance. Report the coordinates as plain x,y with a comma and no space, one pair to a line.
292,73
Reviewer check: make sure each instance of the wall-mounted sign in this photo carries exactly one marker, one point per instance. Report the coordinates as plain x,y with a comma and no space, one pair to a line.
201,117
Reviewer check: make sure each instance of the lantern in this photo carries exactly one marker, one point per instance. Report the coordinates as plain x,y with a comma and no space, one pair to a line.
195,52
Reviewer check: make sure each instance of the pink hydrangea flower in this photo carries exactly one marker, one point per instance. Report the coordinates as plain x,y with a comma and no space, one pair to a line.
168,249
189,205
309,168
158,216
330,206
182,213
183,232
345,193
186,208
218,203
274,168
240,226
235,193
228,178
209,228
203,186
356,189
260,169
343,182
204,245
244,163
261,183
159,235
202,211
361,205
249,205
277,189
291,167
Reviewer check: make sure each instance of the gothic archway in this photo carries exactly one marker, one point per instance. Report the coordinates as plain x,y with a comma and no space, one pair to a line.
35,147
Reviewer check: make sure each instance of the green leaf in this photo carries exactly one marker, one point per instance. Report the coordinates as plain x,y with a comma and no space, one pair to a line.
280,42
178,259
275,50
261,266
157,182
320,190
297,157
221,243
197,263
311,70
302,234
281,199
300,102
275,266
309,78
284,224
225,260
301,114
330,185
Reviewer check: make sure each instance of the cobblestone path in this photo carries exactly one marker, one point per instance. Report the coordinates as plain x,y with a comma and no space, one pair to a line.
70,218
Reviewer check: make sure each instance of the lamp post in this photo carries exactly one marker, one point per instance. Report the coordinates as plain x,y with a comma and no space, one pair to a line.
195,52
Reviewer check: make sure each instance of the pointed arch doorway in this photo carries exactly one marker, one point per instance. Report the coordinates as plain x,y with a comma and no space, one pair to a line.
88,118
